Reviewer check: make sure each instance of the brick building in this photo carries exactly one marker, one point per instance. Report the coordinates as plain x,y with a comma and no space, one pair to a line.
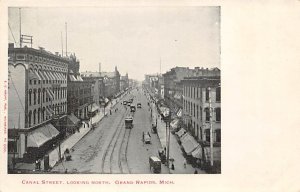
37,97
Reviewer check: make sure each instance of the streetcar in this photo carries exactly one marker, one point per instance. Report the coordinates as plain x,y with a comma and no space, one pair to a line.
129,122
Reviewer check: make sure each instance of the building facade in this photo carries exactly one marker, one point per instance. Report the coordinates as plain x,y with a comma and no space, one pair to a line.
37,100
202,107
80,97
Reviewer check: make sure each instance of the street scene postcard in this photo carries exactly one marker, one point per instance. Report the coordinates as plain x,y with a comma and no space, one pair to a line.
127,96
135,90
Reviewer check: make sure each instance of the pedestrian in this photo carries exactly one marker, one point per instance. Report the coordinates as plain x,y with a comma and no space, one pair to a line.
184,163
195,172
39,164
173,167
36,165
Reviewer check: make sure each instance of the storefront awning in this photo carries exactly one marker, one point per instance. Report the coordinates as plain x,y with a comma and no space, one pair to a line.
73,119
41,135
181,132
179,113
94,108
189,144
177,95
49,94
72,78
197,153
174,124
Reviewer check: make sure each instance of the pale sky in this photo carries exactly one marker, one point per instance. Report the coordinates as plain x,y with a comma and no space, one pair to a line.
131,38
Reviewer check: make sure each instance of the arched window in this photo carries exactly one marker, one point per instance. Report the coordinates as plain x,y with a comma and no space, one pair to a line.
29,96
39,115
39,96
34,117
29,118
34,96
43,95
43,114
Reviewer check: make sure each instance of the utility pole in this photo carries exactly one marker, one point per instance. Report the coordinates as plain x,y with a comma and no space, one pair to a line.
66,39
62,45
20,28
211,130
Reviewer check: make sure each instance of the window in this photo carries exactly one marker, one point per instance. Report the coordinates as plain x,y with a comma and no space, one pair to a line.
12,147
39,96
218,135
194,92
207,115
29,118
197,111
43,114
206,94
207,135
218,94
43,95
34,117
34,96
218,114
194,110
39,112
29,96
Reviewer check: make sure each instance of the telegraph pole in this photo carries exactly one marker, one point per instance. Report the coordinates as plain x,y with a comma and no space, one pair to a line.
211,130
20,28
66,39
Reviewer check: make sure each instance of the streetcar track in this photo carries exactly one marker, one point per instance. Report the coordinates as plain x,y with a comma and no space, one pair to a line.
110,142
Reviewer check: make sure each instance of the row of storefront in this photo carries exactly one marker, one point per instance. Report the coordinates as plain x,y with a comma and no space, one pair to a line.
196,153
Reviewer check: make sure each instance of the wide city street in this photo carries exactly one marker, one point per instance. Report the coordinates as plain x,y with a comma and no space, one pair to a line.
111,148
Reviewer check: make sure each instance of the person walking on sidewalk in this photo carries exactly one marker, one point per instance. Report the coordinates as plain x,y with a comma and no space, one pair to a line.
184,163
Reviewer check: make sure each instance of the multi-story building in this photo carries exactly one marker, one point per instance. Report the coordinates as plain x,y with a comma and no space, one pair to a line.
37,97
110,82
173,88
202,111
124,82
80,96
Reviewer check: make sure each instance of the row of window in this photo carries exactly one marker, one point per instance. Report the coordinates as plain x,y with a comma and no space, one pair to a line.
36,96
206,134
196,111
40,115
195,93
46,60
34,82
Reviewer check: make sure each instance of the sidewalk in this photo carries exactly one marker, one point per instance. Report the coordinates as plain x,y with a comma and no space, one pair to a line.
175,150
70,141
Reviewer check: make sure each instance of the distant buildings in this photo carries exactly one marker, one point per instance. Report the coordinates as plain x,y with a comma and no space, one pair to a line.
80,97
107,84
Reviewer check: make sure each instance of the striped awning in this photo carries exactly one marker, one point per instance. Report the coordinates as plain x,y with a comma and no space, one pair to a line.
41,135
50,94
